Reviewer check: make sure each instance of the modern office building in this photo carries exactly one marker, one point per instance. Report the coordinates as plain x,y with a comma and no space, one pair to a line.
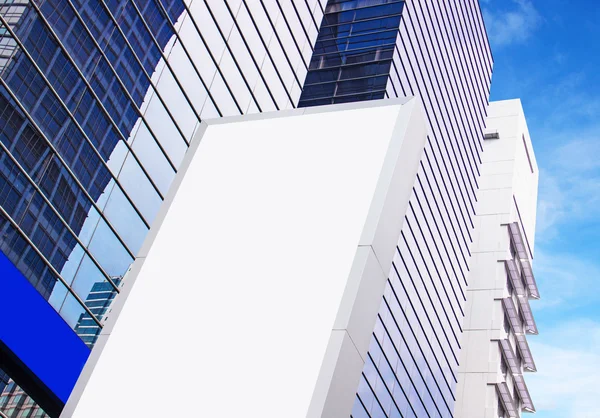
100,101
56,141
495,353
98,301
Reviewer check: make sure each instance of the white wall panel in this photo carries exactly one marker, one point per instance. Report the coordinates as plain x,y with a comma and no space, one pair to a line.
507,178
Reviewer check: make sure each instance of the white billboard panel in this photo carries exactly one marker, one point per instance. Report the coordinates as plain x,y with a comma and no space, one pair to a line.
258,288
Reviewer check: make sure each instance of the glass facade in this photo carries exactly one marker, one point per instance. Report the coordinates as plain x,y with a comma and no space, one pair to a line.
99,101
98,301
64,114
353,53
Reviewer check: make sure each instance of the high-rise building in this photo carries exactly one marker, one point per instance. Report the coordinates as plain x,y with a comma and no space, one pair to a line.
98,301
98,103
439,52
101,100
58,132
495,355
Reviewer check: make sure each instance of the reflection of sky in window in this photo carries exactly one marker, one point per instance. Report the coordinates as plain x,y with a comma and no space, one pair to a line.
100,240
79,270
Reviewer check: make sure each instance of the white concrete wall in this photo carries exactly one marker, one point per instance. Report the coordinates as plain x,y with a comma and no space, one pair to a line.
508,175
268,263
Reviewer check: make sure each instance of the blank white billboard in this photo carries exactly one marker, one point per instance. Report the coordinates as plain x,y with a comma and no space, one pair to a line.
265,268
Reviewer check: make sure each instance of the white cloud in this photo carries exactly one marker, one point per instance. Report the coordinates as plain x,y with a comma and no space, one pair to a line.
569,183
579,155
567,355
550,209
565,279
568,361
511,26
567,143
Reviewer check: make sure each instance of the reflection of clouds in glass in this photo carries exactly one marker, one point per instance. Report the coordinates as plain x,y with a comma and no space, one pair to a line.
71,310
152,158
115,262
126,221
56,299
175,147
69,271
177,103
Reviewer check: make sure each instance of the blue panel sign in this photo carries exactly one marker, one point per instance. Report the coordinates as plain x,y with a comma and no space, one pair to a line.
38,348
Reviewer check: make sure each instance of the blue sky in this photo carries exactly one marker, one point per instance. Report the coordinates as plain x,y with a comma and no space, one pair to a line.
547,53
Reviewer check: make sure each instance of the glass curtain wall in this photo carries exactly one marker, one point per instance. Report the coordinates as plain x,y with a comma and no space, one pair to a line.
353,53
98,103
75,199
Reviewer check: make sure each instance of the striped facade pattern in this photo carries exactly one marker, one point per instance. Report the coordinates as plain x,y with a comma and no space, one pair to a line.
442,55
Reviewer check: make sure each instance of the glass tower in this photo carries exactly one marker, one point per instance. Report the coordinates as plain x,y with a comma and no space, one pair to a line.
99,101
98,301
63,112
